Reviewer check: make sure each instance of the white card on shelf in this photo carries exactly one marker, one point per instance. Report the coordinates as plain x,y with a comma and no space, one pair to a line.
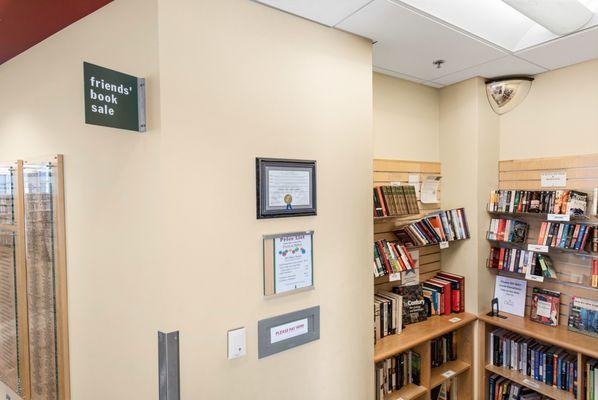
448,374
535,278
537,248
559,217
554,179
454,320
394,277
444,245
531,383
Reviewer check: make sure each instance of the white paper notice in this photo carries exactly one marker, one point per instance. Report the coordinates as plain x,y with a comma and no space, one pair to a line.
511,295
454,320
289,330
293,268
429,190
535,278
448,373
538,248
543,308
444,245
559,217
414,181
283,183
410,277
394,277
554,179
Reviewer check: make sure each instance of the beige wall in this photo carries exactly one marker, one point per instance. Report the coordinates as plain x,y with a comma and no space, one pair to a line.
161,228
406,117
559,116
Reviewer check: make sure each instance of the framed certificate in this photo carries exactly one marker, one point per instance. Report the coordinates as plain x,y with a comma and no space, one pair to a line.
285,188
288,262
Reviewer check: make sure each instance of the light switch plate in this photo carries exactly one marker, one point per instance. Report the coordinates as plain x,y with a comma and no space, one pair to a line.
237,343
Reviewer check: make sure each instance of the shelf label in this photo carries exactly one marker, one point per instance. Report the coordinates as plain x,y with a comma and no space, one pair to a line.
559,217
444,245
454,320
531,383
554,179
394,277
537,248
535,278
448,374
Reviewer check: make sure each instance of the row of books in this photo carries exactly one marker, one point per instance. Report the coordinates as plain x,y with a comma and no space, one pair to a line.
502,388
583,316
391,257
507,230
397,372
444,294
442,226
591,385
447,390
567,202
393,200
443,349
545,363
388,314
568,236
521,261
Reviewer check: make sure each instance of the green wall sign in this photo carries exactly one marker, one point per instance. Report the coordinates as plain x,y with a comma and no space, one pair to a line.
113,99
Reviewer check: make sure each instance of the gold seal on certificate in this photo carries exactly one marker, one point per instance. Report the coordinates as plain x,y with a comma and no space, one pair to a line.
285,188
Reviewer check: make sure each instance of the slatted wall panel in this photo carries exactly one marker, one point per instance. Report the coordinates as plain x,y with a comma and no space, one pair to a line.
387,172
573,270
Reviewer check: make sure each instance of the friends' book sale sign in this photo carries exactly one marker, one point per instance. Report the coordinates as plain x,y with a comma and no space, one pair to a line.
114,99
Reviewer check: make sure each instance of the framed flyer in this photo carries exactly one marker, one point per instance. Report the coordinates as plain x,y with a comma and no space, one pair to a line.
285,188
288,262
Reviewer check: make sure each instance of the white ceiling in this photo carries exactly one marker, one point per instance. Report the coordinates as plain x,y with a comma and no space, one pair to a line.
475,37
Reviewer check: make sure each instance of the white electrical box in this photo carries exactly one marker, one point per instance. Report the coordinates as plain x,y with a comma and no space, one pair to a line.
236,343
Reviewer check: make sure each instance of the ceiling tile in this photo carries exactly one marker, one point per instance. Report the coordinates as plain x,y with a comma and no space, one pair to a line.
409,42
397,74
327,12
573,49
504,66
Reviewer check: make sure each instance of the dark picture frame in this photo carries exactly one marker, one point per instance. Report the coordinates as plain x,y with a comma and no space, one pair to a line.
285,188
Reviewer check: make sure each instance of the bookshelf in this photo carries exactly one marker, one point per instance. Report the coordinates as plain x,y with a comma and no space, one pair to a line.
582,345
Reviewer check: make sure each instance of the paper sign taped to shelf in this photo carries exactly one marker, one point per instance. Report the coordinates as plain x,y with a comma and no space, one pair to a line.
444,245
537,248
533,384
448,374
559,217
454,320
394,277
410,277
554,179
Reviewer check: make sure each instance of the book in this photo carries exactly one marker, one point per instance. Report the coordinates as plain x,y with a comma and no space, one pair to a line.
437,227
595,273
564,202
583,316
388,314
507,230
545,306
396,372
414,309
395,200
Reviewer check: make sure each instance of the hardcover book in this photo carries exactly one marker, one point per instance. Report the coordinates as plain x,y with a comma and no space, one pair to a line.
583,316
414,307
545,306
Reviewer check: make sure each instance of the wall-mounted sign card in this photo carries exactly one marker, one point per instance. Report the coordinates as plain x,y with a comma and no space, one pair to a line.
288,262
285,188
554,179
286,331
510,293
113,99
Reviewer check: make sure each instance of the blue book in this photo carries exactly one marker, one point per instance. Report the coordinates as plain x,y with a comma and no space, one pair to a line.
564,236
582,231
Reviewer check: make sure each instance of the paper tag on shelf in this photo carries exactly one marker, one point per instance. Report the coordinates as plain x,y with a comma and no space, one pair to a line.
537,248
444,245
394,277
559,217
448,374
454,320
554,179
531,383
535,278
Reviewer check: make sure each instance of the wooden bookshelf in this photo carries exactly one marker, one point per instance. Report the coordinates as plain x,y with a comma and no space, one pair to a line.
447,371
409,392
583,346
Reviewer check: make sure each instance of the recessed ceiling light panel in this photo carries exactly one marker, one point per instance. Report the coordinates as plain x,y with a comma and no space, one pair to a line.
561,17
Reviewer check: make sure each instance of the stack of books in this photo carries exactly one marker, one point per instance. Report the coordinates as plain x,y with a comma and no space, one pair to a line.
508,230
444,349
521,262
583,316
545,363
388,314
501,388
390,258
565,236
444,294
397,372
567,202
390,201
442,226
591,380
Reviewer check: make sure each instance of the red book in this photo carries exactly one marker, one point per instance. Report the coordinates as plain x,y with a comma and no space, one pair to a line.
542,233
382,203
447,294
382,253
461,280
501,258
500,235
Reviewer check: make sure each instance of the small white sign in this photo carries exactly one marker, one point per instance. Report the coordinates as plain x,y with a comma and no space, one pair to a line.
538,248
414,181
410,277
533,384
288,330
449,374
394,277
535,278
510,293
454,320
559,217
395,183
444,245
554,179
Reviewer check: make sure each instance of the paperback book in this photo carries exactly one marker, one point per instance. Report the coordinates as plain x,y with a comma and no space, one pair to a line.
545,306
583,316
